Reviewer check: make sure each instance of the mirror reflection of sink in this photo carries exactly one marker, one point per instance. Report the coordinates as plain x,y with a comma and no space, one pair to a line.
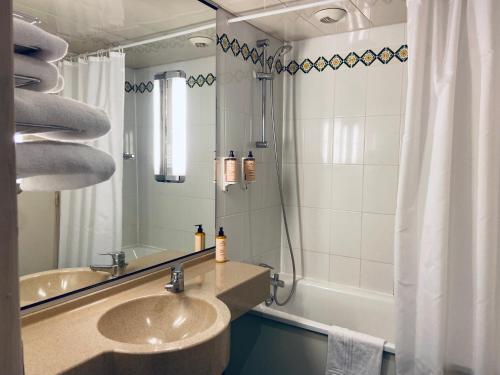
43,285
156,320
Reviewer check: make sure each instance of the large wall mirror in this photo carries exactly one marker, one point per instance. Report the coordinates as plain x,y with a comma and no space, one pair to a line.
151,66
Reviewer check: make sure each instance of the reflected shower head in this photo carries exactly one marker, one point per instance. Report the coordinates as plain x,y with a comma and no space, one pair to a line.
282,50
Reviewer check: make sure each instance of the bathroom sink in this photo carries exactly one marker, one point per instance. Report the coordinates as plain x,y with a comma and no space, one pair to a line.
43,285
157,320
162,334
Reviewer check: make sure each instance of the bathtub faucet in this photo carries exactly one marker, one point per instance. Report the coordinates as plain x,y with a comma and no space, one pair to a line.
275,282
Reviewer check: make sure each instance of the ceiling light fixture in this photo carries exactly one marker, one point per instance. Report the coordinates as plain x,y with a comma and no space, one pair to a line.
281,10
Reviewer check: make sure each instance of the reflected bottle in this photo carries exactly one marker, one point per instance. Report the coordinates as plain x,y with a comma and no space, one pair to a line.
199,238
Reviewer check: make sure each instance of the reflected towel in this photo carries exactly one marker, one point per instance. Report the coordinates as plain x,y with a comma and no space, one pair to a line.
51,47
353,353
79,121
55,166
46,72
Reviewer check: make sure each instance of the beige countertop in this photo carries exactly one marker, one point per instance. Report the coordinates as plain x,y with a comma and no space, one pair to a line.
65,339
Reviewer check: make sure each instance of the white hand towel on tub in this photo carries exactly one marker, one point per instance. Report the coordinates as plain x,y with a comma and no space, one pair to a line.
46,72
76,121
50,47
55,166
353,353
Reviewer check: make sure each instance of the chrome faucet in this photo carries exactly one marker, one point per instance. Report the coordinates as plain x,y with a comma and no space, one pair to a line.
275,283
117,268
176,284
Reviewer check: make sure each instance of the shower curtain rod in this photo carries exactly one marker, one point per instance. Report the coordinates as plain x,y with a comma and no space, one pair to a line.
171,34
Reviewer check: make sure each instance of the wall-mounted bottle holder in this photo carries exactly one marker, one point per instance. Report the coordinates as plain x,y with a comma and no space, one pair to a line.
229,171
248,170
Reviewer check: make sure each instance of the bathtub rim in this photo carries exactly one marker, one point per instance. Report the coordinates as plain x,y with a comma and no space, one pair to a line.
297,321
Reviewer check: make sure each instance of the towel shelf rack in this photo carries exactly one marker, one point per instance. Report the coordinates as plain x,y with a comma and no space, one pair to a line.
25,50
28,128
22,80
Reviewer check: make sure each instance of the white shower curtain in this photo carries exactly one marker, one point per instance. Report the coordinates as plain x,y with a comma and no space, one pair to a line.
91,218
447,224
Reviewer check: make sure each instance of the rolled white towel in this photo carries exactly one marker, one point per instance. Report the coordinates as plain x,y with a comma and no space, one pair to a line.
47,73
50,47
74,121
55,166
59,87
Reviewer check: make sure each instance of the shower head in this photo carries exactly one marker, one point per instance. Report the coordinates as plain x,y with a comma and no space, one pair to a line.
285,48
282,50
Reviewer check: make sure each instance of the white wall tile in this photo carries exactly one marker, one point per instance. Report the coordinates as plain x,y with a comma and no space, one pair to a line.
292,177
315,229
345,270
348,140
346,233
317,140
383,96
350,92
380,189
317,185
378,238
347,187
315,265
382,140
377,276
314,94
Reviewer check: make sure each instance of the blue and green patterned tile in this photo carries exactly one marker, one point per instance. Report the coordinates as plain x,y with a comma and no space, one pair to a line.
320,64
402,53
225,43
292,67
385,55
149,86
335,62
368,57
217,39
245,51
351,59
306,66
210,79
141,88
235,47
191,81
270,62
128,86
278,66
254,55
200,80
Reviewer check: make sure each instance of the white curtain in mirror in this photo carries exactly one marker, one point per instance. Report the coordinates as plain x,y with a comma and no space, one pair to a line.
91,218
447,224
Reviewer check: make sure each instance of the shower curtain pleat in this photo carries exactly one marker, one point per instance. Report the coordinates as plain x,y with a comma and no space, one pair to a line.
447,219
91,218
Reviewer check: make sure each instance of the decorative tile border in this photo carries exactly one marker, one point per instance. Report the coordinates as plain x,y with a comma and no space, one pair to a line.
367,58
192,81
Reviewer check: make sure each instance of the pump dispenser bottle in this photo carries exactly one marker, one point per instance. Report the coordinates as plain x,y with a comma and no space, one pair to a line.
231,168
249,168
199,238
220,247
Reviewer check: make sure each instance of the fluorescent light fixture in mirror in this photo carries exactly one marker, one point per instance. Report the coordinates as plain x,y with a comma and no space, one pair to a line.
169,100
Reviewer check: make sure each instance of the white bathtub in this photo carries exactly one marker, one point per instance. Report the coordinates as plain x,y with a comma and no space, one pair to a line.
318,305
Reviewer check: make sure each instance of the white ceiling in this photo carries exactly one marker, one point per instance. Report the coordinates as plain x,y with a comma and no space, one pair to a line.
302,24
90,25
